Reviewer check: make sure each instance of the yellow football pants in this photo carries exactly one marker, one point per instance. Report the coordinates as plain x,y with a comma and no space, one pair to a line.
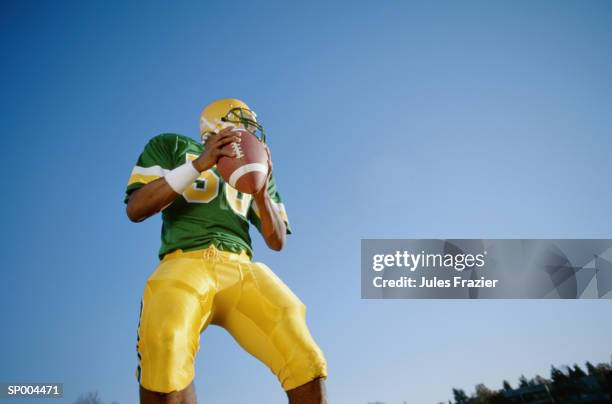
190,290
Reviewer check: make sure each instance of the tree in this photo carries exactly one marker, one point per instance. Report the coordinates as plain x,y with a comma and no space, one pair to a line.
539,380
556,375
460,396
483,394
507,385
590,368
576,372
89,398
523,381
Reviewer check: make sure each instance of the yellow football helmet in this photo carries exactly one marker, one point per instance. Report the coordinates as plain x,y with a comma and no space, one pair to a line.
229,112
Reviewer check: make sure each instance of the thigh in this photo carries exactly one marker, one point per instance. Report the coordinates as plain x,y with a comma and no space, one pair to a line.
269,322
173,314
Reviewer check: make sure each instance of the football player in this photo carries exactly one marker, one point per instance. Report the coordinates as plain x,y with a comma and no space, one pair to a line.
206,275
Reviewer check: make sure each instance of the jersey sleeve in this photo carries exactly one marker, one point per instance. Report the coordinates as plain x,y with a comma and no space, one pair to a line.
253,213
154,162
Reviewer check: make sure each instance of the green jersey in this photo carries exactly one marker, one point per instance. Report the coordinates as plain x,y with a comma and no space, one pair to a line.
210,211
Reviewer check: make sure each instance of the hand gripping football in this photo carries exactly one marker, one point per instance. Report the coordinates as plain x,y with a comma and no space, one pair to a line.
247,171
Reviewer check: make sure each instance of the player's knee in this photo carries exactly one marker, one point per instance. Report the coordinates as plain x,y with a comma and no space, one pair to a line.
307,362
296,312
167,360
165,338
295,309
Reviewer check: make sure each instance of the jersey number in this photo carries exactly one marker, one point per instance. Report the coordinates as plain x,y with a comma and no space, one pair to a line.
206,188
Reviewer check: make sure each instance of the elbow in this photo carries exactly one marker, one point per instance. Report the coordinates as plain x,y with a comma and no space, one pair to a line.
132,214
276,247
277,244
130,209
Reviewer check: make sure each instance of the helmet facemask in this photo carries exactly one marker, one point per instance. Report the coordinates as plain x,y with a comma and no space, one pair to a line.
246,118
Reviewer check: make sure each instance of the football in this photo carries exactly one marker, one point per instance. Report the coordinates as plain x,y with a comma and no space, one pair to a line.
247,171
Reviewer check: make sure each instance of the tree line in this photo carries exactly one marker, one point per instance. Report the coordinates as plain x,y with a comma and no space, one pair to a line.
570,385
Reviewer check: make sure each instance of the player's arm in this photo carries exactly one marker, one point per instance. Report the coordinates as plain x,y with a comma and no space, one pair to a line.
273,228
158,194
150,199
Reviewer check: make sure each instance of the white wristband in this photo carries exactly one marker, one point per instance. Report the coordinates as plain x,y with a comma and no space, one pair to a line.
182,177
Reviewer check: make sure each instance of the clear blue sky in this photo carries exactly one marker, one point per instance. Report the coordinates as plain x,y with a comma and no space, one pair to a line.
385,119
